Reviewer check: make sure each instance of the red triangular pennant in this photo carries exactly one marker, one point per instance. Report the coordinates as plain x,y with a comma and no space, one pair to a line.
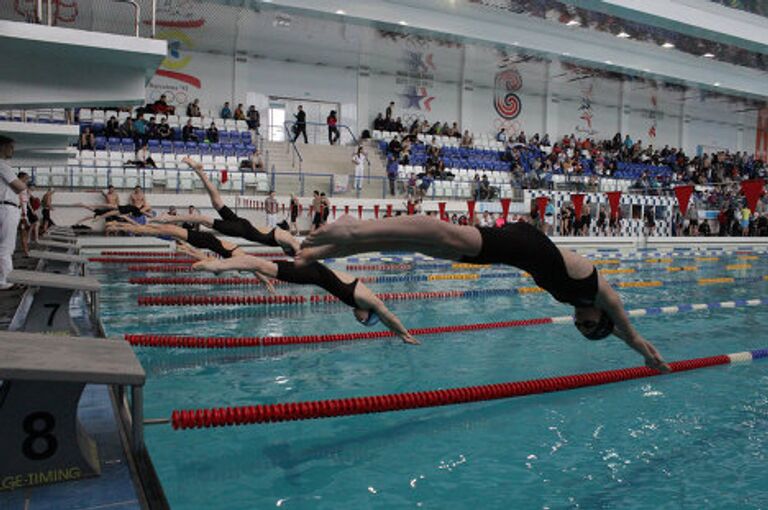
683,194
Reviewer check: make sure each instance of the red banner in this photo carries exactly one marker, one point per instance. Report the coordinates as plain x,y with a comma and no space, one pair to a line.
333,211
376,211
505,207
753,190
224,176
441,208
541,205
389,210
360,212
578,203
683,194
471,210
346,209
411,208
614,197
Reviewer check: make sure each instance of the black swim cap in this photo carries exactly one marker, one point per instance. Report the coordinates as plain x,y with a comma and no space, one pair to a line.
603,328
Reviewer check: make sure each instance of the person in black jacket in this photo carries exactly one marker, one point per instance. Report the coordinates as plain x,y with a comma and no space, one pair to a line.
300,127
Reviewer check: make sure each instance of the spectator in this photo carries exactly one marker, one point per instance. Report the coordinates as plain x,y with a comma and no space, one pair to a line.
333,130
501,136
316,210
294,211
326,207
112,129
239,113
395,147
164,131
212,133
389,111
11,185
151,129
139,130
379,124
47,205
466,141
359,159
161,106
188,132
254,119
87,140
142,159
271,207
127,130
300,126
257,162
226,112
193,109
392,167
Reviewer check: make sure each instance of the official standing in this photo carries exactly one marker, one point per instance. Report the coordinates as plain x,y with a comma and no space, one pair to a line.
10,187
271,206
300,127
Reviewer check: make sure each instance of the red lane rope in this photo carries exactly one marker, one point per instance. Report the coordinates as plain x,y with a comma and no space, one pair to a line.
182,300
199,281
160,268
272,413
147,254
198,342
146,260
218,300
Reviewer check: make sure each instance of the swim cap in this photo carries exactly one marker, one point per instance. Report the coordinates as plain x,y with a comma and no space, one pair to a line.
372,320
603,328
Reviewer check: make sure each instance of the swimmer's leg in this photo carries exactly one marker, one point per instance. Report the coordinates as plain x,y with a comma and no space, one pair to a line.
184,218
213,193
421,233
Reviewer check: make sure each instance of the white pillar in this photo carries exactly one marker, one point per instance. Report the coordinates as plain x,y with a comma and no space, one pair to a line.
624,109
551,104
466,89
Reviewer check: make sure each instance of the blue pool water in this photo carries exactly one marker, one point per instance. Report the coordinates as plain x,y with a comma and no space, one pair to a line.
694,440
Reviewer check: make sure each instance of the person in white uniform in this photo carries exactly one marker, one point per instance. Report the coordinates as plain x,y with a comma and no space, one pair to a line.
10,187
359,160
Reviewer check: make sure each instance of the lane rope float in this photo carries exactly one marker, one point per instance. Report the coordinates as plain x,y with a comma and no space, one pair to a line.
200,342
333,408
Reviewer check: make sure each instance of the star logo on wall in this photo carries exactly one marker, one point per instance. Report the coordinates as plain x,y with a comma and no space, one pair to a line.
414,96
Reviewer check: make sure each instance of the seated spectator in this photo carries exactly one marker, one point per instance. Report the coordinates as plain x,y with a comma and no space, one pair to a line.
379,123
395,147
164,131
226,112
191,211
435,129
87,140
254,119
151,130
193,109
188,132
466,140
239,113
127,130
142,158
398,126
257,162
455,131
501,136
161,106
112,129
212,133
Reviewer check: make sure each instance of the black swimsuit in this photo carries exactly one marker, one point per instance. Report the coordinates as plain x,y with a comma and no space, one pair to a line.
318,274
233,225
523,246
208,241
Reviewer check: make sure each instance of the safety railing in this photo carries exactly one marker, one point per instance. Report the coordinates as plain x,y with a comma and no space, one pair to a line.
313,128
39,115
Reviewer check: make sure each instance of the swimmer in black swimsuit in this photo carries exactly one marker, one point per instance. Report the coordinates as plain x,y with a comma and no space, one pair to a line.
568,277
230,223
368,308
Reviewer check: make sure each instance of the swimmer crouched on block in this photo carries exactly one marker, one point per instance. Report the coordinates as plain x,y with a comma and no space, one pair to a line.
567,276
367,307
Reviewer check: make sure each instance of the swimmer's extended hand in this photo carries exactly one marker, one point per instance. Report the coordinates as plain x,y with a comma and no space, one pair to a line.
410,339
653,358
335,233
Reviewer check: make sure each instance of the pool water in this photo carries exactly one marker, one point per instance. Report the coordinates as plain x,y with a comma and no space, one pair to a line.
693,440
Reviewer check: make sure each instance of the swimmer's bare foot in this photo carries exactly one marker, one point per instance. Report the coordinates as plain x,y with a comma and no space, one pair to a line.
211,265
309,255
339,232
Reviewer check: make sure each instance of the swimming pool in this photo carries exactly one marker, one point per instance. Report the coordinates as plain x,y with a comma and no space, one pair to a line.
692,440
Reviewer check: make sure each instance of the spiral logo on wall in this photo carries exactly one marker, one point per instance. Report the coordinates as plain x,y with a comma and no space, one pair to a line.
507,104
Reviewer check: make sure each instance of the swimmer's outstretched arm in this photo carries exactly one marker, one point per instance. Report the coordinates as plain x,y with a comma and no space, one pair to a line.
184,218
365,296
610,301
